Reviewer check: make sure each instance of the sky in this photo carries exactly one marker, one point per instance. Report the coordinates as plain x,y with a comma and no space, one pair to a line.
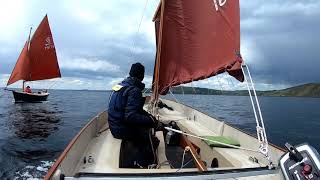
98,40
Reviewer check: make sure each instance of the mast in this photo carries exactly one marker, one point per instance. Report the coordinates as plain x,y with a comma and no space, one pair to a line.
155,94
23,82
29,38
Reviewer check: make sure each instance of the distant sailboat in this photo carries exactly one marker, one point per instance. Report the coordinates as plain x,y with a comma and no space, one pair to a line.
37,61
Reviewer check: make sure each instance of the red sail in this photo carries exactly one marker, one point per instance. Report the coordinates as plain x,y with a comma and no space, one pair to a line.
40,61
44,63
199,39
21,70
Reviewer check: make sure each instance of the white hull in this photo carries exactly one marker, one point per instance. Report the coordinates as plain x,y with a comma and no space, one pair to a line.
95,140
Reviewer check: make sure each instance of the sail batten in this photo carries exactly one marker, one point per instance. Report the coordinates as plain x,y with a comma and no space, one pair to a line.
38,60
197,41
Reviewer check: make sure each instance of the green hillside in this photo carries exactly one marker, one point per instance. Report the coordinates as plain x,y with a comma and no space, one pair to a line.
306,90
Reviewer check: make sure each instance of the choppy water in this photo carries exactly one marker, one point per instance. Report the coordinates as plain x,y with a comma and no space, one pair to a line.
33,135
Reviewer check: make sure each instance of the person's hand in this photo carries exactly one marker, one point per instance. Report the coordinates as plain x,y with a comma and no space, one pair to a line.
159,126
154,119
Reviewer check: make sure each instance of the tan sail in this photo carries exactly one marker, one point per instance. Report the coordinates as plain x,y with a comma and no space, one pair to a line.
22,67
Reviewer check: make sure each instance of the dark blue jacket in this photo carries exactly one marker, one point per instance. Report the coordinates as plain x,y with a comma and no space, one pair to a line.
125,112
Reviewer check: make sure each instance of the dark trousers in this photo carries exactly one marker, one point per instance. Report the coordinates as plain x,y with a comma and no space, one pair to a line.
139,136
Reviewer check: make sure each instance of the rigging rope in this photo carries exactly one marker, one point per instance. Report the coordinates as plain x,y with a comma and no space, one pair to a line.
217,142
173,96
261,132
195,93
54,83
182,90
187,148
221,87
138,31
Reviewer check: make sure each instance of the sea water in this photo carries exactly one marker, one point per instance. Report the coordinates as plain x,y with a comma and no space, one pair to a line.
32,135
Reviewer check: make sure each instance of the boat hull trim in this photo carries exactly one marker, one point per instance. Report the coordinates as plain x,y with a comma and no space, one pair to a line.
29,97
211,174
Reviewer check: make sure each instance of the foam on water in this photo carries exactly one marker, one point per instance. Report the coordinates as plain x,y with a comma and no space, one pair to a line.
36,172
32,135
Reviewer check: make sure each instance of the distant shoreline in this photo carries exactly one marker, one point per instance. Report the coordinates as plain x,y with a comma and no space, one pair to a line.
305,90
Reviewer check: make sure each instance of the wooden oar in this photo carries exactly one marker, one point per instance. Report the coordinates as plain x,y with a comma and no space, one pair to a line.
196,157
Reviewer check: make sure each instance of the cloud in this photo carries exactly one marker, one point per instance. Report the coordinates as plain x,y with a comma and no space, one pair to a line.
96,65
284,8
279,40
97,41
12,21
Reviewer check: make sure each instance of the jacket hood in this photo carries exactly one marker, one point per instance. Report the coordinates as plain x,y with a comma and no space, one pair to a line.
132,81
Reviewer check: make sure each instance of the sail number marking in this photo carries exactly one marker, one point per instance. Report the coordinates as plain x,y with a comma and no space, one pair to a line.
48,44
218,3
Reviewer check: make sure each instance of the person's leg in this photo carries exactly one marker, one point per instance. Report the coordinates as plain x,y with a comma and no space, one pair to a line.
148,137
137,135
139,140
141,136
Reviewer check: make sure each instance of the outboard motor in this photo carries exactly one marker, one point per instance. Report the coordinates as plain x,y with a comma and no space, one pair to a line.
300,162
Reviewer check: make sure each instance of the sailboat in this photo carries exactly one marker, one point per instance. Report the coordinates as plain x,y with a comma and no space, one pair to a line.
37,61
195,40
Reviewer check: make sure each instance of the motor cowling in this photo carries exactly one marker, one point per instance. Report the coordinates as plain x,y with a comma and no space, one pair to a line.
300,162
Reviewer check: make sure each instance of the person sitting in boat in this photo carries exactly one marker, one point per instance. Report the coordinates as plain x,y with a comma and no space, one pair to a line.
126,117
27,89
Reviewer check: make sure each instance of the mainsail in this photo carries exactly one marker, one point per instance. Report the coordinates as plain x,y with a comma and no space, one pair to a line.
21,69
39,60
196,40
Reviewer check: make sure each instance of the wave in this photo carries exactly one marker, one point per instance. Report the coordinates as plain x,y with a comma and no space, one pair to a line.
35,172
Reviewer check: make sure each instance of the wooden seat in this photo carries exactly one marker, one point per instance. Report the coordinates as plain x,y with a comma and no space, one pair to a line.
107,148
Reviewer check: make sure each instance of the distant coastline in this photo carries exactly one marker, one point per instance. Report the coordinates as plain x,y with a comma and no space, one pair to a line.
305,90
